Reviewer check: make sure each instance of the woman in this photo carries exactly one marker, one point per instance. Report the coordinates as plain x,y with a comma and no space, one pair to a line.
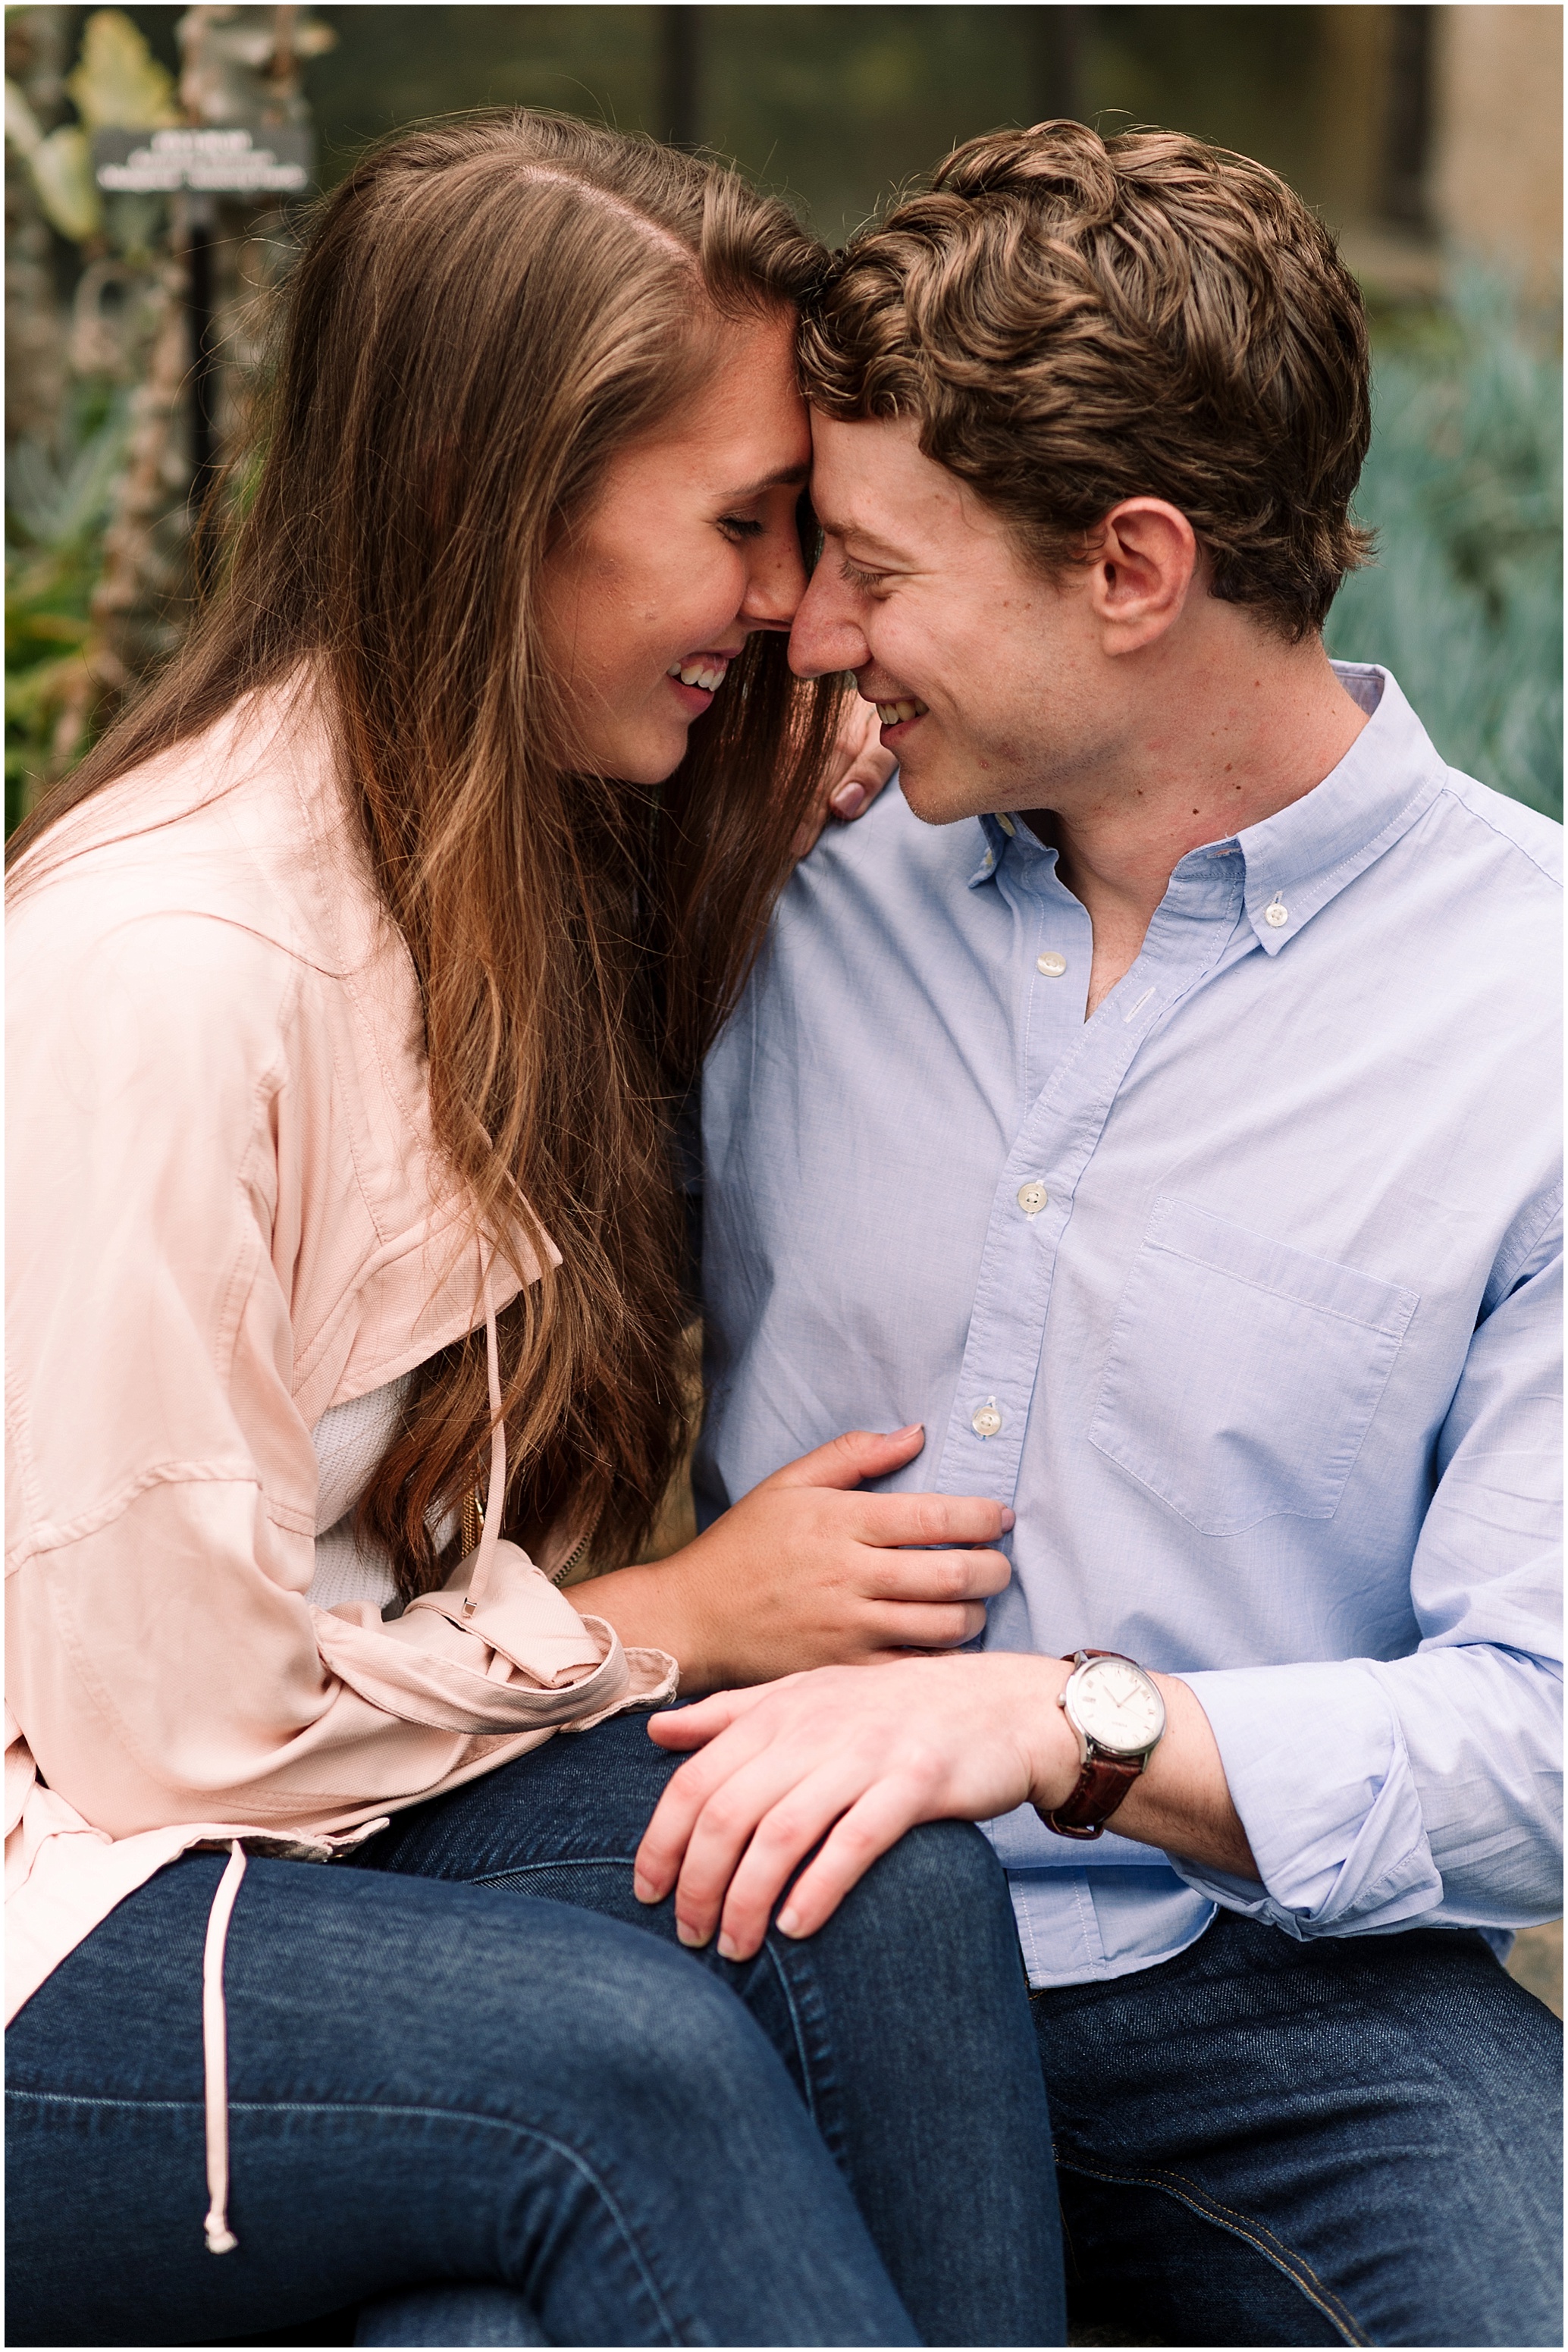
355,978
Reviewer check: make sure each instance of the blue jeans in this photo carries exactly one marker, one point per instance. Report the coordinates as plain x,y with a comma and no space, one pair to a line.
904,2024
1338,2142
427,2083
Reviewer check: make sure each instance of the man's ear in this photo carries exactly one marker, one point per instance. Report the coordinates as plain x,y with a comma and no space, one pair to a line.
1142,571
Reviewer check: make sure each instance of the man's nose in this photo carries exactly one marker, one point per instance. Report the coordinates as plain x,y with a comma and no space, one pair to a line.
825,637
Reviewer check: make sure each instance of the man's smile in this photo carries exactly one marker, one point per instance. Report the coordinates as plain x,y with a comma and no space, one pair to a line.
899,713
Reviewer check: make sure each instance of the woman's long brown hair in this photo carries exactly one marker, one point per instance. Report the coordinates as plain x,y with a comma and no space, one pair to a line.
485,313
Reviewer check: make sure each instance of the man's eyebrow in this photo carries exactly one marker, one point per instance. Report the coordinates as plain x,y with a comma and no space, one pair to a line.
869,539
788,477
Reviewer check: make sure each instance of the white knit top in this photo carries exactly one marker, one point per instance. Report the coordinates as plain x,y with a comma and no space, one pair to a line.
350,1440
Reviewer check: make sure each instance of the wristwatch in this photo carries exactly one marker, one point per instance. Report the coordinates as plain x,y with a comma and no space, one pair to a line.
1119,1716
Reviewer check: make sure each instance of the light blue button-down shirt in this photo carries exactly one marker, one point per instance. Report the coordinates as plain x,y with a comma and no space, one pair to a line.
1243,1294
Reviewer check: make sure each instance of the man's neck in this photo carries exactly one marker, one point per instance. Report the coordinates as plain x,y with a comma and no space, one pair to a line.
1240,749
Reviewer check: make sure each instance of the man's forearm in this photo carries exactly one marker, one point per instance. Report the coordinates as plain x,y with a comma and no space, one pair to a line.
1181,1802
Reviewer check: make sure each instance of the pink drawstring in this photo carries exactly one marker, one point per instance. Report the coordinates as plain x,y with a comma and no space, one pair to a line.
221,2239
495,1501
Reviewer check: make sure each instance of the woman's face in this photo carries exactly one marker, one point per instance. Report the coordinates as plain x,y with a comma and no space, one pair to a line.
690,546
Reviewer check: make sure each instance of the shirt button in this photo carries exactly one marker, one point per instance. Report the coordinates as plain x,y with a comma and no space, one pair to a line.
986,1420
1276,913
1052,965
1032,1197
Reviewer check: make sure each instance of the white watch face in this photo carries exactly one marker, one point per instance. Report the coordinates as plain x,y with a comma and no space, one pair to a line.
1117,1706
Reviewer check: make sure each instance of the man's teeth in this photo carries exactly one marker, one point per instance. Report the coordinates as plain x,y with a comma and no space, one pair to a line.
893,714
702,674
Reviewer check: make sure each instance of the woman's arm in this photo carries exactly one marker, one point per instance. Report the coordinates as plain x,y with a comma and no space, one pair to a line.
181,1172
804,1571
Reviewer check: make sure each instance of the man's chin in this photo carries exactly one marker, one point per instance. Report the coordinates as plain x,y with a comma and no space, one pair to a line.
937,790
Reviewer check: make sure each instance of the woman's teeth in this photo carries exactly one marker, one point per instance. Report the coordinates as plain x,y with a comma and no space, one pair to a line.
893,714
702,674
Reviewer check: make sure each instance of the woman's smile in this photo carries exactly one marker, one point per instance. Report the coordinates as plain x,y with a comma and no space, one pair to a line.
697,678
693,537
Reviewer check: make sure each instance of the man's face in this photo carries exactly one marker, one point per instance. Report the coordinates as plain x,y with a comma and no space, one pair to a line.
991,677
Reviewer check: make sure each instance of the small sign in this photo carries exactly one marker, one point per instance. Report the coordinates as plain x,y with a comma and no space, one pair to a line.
230,162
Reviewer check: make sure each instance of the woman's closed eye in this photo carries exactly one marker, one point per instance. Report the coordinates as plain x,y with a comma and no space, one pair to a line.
739,527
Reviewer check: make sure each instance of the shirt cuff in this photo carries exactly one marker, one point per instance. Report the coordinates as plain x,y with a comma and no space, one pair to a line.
1321,1778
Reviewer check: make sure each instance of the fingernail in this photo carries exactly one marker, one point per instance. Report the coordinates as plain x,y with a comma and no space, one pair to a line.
788,1921
729,1949
644,1888
688,1937
910,1429
1008,1521
848,801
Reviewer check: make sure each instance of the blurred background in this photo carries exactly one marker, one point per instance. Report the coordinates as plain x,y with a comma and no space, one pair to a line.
1429,137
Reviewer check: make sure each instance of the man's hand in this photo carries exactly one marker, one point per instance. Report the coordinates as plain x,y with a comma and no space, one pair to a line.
854,1761
804,1574
858,770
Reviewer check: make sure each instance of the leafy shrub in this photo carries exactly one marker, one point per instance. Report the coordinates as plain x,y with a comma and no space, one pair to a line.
58,502
1464,485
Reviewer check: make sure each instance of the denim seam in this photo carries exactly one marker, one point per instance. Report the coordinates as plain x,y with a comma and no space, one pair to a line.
1197,2200
335,2108
798,2027
626,1862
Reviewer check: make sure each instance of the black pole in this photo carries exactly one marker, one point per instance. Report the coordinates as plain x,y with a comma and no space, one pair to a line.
679,72
1058,42
1408,135
200,225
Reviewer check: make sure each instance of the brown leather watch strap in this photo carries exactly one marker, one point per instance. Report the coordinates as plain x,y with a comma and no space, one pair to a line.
1101,1785
1099,1790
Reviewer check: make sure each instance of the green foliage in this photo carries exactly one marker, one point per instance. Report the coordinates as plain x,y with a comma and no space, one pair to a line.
1464,485
118,84
57,505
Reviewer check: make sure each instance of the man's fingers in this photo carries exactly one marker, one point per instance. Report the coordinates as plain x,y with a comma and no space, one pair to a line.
867,1830
932,1576
693,1726
764,1820
844,1461
783,1836
727,1745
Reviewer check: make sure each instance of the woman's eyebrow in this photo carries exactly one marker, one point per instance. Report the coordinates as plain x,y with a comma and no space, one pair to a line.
788,477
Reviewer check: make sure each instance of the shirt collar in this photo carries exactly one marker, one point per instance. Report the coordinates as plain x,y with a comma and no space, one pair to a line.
1296,861
1001,833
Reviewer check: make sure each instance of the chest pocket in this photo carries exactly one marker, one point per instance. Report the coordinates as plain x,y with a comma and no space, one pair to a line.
1243,1375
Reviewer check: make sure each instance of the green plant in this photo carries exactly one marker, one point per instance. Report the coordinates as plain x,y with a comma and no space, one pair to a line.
57,504
1464,485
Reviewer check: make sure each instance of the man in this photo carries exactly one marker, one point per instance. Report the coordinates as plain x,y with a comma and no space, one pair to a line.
1156,1100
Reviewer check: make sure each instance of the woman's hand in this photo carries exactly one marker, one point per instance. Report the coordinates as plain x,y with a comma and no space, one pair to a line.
805,1572
858,769
856,1760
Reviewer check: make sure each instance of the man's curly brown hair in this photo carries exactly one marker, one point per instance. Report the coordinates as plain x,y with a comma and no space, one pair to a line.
1076,320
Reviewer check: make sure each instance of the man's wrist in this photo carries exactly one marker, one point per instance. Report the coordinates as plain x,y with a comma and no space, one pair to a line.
1047,1739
